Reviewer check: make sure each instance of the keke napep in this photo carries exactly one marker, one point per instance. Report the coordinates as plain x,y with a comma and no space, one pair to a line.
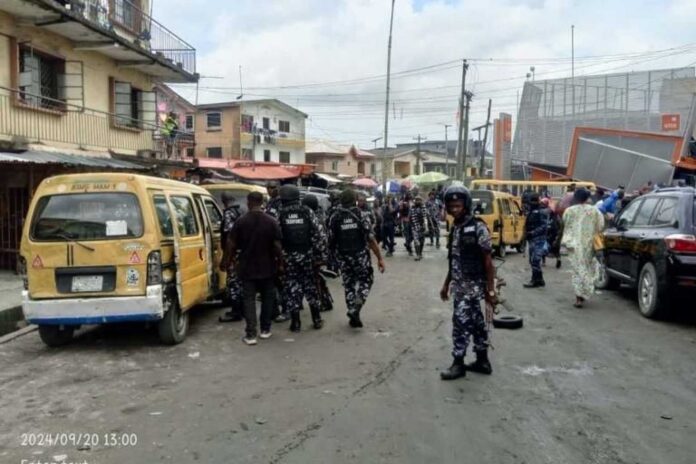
114,247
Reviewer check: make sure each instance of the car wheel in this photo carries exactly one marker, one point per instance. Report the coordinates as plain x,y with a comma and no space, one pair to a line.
520,247
507,322
56,335
501,251
606,282
651,300
174,326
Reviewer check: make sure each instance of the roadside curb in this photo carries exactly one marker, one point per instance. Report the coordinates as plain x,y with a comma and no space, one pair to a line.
17,333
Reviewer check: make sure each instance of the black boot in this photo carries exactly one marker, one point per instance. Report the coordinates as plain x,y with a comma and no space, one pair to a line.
235,314
537,281
295,324
482,365
455,371
354,320
317,322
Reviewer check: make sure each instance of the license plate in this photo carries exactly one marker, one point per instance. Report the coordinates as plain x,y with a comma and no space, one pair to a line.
87,283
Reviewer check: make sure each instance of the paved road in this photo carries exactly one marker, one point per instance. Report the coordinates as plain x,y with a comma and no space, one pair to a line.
598,385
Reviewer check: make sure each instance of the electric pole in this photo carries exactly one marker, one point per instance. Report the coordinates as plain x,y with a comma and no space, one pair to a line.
485,140
385,160
465,140
446,150
418,153
460,161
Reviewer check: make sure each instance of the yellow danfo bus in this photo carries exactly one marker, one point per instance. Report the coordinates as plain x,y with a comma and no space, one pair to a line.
555,189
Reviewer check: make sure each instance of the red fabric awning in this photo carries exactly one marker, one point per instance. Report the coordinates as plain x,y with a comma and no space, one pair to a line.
261,172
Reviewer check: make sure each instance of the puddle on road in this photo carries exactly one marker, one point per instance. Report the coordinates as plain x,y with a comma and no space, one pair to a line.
534,371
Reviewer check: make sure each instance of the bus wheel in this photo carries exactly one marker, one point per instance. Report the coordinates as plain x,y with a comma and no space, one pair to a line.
173,327
502,250
56,335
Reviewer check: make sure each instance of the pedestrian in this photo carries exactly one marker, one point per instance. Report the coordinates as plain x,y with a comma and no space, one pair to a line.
567,201
434,208
581,223
389,224
470,278
536,234
404,219
351,238
255,251
233,290
418,217
304,252
273,205
325,298
170,131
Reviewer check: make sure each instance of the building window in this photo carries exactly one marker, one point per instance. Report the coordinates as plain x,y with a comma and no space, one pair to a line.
41,75
214,120
247,154
133,107
334,166
214,152
361,167
267,155
189,152
128,14
373,169
266,123
247,123
189,122
284,157
283,126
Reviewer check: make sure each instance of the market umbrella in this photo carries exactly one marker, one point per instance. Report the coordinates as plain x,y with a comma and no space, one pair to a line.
365,182
431,178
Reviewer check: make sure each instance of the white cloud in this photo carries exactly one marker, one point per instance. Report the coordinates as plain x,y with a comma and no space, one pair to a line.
298,41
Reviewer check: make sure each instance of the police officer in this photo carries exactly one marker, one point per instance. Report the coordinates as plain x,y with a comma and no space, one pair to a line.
418,218
234,283
325,297
434,209
351,238
273,205
304,251
471,277
536,231
389,224
273,210
404,214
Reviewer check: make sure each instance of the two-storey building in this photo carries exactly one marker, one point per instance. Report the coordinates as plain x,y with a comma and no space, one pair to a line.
76,87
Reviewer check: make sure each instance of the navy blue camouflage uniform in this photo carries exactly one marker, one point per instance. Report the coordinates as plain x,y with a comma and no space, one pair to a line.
536,230
469,242
434,213
233,282
304,246
350,232
418,217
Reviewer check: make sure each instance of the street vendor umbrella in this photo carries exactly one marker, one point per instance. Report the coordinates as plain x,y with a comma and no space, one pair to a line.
365,183
431,178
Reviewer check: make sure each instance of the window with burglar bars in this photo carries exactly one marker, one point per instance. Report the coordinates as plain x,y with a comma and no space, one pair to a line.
39,76
214,120
284,157
132,107
189,122
284,126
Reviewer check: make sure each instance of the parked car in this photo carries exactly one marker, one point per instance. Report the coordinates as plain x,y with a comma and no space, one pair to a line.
651,245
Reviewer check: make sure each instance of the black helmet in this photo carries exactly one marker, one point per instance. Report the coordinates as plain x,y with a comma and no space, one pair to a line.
289,193
457,192
348,198
311,201
227,197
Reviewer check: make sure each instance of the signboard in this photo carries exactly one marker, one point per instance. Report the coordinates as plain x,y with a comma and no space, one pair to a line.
671,122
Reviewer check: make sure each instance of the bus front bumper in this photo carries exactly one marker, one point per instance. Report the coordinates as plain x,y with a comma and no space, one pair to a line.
96,310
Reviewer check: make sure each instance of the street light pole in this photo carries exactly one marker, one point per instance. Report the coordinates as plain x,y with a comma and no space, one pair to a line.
446,150
385,160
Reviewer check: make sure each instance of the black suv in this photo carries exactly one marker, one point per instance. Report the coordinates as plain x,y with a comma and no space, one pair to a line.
651,245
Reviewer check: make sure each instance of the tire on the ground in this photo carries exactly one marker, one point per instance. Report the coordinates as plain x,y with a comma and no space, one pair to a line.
507,321
56,335
174,326
656,307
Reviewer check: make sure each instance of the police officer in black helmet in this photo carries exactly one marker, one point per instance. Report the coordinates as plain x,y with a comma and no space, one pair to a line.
304,251
471,277
233,295
325,297
351,237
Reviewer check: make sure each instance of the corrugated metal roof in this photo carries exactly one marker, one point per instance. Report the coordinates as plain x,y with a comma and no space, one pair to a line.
44,157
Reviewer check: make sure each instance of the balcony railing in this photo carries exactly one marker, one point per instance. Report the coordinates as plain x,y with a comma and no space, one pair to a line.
28,116
146,32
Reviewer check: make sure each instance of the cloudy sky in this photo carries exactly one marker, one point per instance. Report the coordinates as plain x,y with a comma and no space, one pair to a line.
328,57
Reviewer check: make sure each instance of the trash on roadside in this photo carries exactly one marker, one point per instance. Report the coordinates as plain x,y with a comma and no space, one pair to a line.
666,417
261,420
194,355
289,340
156,413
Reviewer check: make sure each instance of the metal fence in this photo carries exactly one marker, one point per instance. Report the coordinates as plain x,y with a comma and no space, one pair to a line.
550,110
146,31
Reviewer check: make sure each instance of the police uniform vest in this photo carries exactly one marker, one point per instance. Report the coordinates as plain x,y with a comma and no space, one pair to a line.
469,251
296,226
536,219
348,229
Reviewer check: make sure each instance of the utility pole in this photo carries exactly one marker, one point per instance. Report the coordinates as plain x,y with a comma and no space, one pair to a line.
465,140
482,167
385,160
460,161
418,155
446,150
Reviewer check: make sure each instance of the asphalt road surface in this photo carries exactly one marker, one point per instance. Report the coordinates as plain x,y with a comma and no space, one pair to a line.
596,385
